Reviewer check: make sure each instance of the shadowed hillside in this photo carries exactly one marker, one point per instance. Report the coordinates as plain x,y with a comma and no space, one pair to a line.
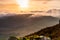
52,32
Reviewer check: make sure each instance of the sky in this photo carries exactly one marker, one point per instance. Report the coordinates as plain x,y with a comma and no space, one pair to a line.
8,5
23,24
12,5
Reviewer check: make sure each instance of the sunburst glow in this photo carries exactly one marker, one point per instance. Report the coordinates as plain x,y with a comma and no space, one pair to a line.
23,3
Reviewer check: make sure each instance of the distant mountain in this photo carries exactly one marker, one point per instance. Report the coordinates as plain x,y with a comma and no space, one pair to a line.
53,10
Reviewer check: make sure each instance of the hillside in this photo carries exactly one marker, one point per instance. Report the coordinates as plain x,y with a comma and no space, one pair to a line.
52,32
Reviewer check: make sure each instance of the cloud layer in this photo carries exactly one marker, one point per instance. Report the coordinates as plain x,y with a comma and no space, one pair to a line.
24,24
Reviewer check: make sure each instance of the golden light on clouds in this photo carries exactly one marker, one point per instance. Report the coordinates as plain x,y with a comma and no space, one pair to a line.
23,4
37,5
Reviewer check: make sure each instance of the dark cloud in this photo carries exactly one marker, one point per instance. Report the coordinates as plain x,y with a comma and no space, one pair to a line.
12,21
24,24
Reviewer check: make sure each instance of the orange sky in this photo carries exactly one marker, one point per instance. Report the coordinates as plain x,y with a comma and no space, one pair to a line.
12,5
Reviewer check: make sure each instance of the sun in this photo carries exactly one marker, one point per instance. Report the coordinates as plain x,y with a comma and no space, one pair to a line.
23,3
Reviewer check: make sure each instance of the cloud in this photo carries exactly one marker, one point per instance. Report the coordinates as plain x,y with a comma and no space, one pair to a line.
7,1
24,24
54,12
46,0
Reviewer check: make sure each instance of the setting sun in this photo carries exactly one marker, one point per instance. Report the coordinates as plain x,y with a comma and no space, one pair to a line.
23,3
